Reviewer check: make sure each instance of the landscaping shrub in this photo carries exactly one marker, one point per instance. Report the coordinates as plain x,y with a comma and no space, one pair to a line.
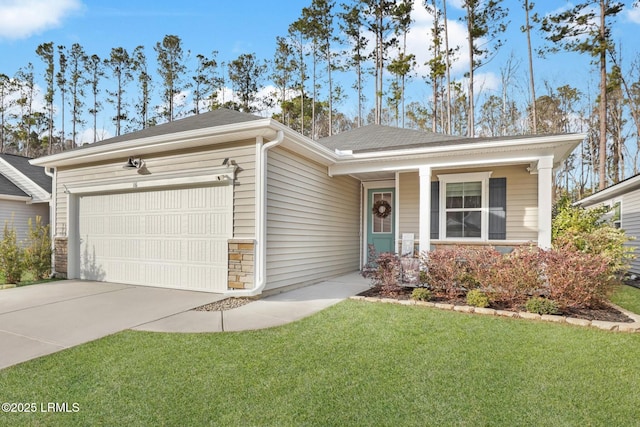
421,294
577,279
587,231
387,273
11,255
477,298
453,270
541,306
37,254
514,277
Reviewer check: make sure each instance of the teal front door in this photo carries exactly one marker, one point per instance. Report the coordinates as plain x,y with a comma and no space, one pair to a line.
380,219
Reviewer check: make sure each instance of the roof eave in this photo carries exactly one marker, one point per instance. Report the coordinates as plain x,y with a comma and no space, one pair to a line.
611,192
160,143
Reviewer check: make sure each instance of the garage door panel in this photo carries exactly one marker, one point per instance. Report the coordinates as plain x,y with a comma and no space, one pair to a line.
171,238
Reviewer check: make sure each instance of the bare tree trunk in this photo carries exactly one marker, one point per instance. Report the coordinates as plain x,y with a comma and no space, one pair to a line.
602,163
448,65
531,82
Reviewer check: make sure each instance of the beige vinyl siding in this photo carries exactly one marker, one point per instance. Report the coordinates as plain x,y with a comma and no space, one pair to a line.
243,153
522,200
312,221
18,213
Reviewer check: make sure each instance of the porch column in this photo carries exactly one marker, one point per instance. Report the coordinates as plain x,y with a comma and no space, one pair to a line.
545,201
425,209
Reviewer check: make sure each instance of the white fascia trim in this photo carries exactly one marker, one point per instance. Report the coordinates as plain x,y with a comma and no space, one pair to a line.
414,164
165,142
311,148
222,174
515,142
15,198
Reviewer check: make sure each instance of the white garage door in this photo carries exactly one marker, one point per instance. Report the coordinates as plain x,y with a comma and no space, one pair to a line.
174,238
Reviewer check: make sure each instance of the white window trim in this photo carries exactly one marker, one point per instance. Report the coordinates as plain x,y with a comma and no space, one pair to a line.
482,177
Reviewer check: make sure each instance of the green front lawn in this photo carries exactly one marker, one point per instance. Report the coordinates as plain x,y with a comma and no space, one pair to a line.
356,363
627,297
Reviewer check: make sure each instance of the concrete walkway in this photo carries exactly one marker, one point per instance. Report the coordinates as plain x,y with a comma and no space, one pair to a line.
42,319
267,312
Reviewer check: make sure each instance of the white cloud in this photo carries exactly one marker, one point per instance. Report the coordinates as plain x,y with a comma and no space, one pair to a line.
22,18
419,41
633,15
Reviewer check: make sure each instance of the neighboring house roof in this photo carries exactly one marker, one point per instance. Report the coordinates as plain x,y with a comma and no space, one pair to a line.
18,177
615,190
8,188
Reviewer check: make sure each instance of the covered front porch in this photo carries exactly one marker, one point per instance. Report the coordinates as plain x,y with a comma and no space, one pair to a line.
492,205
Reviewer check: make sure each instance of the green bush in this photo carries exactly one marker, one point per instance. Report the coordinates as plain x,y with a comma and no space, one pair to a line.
11,255
37,254
586,231
541,306
421,294
477,298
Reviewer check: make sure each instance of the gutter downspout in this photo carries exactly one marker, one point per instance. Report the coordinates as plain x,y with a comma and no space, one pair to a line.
52,215
261,218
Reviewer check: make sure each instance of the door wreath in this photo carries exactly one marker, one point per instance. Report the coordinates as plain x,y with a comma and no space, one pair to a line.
381,209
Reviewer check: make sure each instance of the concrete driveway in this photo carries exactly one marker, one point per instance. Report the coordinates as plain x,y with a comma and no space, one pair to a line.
42,319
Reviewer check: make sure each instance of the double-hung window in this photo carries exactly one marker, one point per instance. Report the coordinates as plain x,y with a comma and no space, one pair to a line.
464,205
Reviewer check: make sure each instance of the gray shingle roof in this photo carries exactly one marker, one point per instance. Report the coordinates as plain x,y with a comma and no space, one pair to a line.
34,173
219,117
379,138
8,188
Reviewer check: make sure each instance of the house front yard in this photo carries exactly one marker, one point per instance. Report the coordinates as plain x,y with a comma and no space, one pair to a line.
356,363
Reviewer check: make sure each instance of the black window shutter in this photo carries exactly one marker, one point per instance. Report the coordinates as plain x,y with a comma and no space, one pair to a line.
435,209
497,208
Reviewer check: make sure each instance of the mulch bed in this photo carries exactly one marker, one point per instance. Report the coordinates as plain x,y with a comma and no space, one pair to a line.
607,314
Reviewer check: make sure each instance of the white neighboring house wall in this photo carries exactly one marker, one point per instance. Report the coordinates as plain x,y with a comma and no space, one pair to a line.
627,193
18,210
17,214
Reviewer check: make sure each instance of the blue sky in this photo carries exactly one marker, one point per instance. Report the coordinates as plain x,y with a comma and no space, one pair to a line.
247,26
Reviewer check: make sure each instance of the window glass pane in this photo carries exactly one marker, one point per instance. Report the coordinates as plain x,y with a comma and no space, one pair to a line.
472,195
382,225
455,224
472,224
455,192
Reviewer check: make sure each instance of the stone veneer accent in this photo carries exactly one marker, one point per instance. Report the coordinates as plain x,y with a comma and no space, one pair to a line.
60,256
241,255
